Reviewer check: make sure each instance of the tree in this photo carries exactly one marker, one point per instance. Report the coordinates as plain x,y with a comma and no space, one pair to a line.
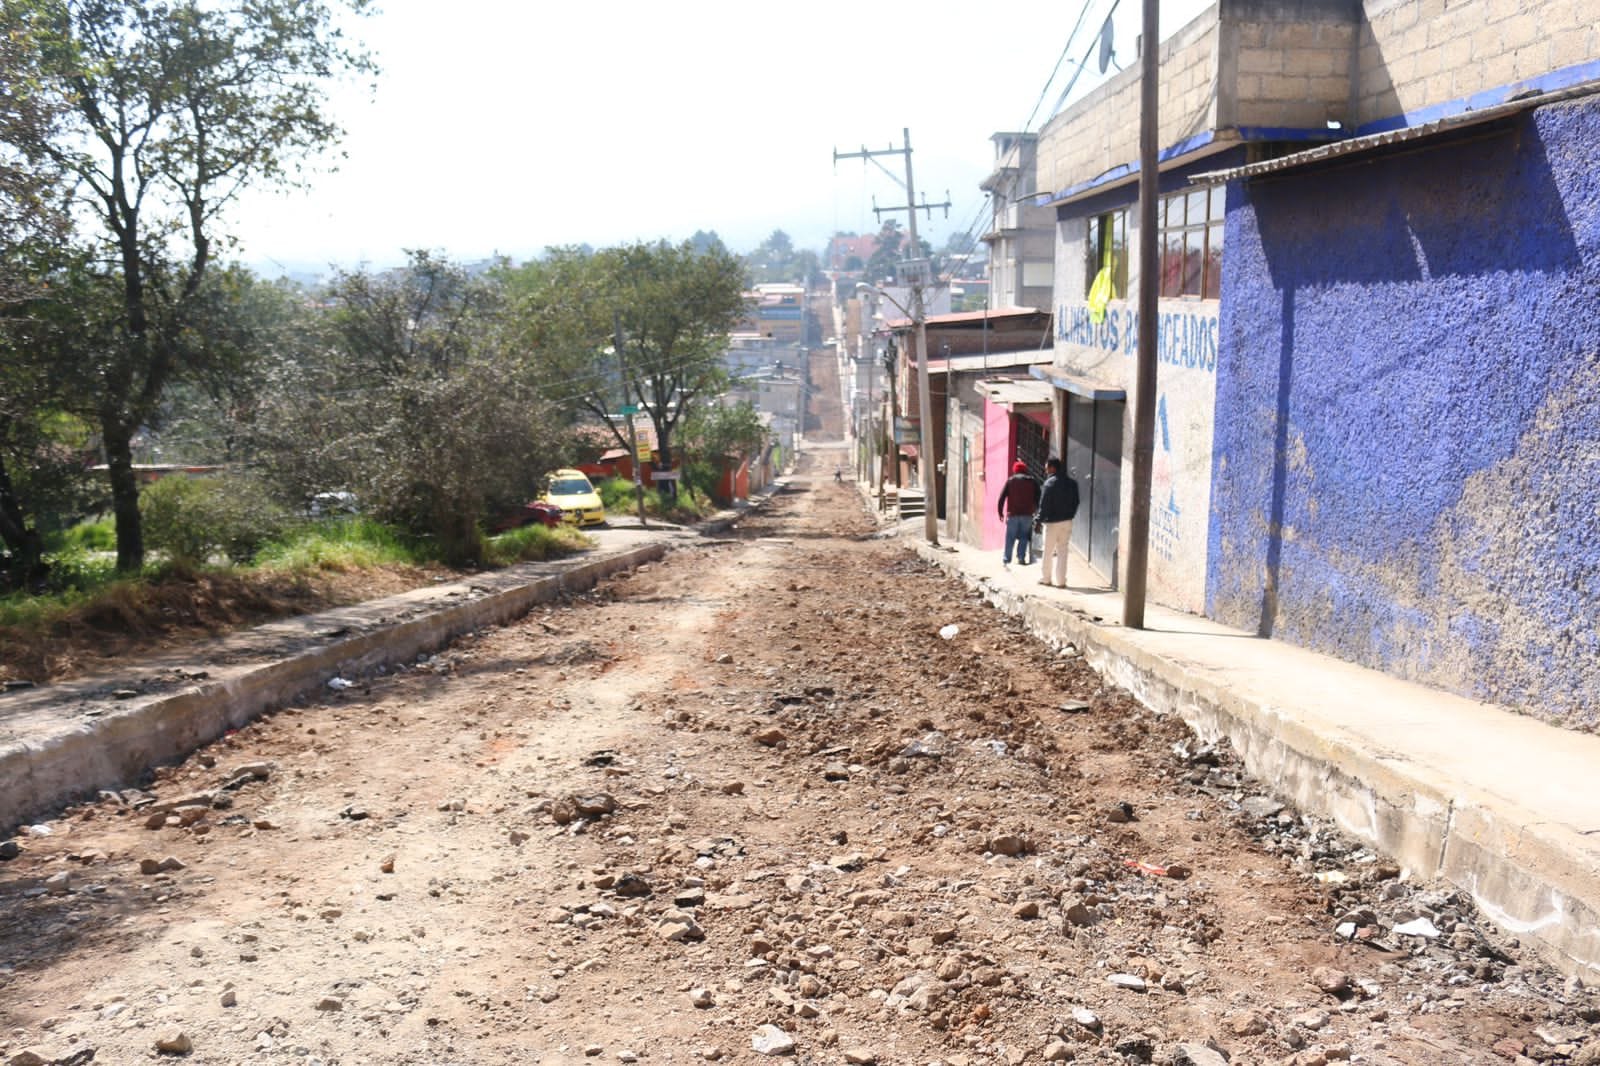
674,308
778,245
43,460
776,259
167,111
702,241
411,396
32,197
886,258
717,432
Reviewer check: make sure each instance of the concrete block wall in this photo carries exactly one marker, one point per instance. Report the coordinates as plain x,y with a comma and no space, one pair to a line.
1101,131
1417,54
1295,73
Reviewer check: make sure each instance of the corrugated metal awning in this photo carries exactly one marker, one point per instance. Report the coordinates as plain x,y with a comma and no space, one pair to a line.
1018,393
1373,141
990,361
1089,390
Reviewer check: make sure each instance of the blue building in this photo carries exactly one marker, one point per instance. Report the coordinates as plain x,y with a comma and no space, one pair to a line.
1407,468
1378,430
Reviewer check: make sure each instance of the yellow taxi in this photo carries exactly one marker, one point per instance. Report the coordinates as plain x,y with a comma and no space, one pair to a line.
571,491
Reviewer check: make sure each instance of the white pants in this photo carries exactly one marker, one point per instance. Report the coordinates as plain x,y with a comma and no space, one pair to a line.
1057,539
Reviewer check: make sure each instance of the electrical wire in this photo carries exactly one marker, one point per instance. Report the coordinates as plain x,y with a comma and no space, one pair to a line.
969,235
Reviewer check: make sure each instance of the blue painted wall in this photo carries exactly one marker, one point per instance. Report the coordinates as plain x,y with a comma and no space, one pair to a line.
1407,446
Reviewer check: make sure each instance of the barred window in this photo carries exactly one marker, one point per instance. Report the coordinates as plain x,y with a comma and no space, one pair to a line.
1191,243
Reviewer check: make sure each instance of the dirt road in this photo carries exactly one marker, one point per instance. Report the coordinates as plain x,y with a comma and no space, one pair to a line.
749,795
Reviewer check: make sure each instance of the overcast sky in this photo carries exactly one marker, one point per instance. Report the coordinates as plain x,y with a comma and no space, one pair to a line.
502,126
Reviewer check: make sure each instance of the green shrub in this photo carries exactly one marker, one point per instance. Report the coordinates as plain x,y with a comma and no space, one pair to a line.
192,519
342,544
76,570
97,536
618,495
533,542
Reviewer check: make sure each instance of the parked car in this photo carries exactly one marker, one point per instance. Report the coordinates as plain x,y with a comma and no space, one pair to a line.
580,504
331,504
534,512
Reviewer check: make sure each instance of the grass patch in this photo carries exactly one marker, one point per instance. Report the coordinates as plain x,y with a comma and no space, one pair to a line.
91,615
342,545
96,536
618,496
534,542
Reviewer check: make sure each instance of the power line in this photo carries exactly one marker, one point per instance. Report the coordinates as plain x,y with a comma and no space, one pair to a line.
970,234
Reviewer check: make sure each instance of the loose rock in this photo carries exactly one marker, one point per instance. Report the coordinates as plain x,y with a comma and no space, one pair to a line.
1333,982
1197,1055
174,1042
770,1040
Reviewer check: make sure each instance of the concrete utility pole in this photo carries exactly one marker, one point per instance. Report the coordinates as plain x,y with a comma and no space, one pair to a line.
1144,403
919,271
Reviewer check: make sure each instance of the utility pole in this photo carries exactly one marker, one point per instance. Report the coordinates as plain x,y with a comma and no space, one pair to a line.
633,433
1144,403
919,270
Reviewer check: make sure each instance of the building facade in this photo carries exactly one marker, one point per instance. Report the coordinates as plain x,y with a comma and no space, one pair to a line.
1021,233
1378,405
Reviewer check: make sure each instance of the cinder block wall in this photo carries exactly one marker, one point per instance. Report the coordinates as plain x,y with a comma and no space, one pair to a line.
1415,54
1287,64
1101,131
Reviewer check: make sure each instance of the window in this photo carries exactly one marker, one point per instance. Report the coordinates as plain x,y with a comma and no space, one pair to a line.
1108,246
1191,243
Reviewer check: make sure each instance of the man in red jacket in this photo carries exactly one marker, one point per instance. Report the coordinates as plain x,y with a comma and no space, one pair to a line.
1018,499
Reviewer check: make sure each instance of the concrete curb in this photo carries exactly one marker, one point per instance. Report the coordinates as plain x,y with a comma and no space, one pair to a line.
1534,878
41,773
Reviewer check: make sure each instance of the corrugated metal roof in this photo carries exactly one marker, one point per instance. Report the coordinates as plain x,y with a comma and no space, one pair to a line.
995,360
964,318
1018,393
1089,390
1372,141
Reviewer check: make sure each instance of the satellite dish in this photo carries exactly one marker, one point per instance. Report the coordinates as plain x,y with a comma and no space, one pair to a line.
1105,45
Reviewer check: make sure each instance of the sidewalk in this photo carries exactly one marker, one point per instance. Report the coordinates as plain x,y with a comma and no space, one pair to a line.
1500,805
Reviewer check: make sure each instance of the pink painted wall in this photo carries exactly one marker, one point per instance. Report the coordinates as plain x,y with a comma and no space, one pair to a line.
999,449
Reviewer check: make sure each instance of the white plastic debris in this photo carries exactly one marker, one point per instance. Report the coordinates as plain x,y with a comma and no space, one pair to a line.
39,830
339,684
949,632
1418,927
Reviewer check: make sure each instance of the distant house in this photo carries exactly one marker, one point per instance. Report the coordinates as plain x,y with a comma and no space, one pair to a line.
1021,234
849,255
776,311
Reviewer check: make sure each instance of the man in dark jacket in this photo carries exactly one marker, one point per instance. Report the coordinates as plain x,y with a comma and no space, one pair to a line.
1018,499
1058,505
